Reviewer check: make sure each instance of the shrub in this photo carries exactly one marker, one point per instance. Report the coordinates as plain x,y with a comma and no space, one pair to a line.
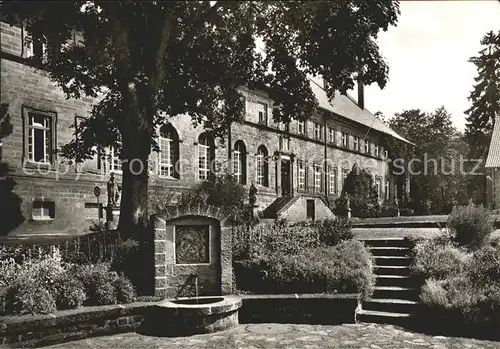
27,297
437,258
98,281
455,294
470,225
69,292
334,231
484,267
346,267
124,290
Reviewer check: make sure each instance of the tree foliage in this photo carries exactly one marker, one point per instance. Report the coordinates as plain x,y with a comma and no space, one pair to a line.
437,182
148,60
362,193
485,96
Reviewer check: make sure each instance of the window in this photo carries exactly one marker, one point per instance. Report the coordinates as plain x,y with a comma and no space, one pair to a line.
262,166
283,126
302,175
284,143
168,158
331,135
310,209
93,210
387,190
367,146
301,127
356,143
317,130
33,47
43,210
376,149
262,112
345,173
206,154
239,162
317,178
332,180
114,161
39,134
378,185
386,154
344,139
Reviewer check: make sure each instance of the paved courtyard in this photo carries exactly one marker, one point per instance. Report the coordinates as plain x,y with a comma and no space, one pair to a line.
365,336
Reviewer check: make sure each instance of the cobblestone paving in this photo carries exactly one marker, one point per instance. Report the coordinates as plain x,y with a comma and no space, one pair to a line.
258,336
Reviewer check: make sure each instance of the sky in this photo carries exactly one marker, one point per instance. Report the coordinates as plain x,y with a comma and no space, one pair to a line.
428,52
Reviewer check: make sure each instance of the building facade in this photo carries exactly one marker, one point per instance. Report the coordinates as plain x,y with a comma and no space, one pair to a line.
303,162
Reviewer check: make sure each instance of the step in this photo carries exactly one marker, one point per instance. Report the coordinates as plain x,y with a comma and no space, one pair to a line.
382,317
386,242
392,260
392,305
397,280
392,270
390,251
396,292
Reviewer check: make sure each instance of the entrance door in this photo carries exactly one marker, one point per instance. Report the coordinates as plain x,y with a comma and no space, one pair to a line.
285,177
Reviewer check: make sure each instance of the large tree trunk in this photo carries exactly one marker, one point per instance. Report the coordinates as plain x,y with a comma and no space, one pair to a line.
136,148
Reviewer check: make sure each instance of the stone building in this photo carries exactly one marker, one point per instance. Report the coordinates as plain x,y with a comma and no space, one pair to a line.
286,162
492,170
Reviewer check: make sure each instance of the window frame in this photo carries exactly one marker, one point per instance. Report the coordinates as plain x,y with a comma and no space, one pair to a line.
317,131
51,210
265,121
387,189
209,150
239,162
173,152
331,135
355,143
345,139
332,180
262,170
317,178
376,150
301,127
367,146
52,136
301,174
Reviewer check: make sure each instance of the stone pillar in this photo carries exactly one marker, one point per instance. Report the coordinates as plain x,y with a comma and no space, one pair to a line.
278,175
226,260
112,217
160,251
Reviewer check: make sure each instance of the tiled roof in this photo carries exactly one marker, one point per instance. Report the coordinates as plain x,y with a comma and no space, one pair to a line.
344,106
493,159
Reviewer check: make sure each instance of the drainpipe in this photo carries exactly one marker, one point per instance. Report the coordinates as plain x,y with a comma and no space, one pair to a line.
229,151
325,167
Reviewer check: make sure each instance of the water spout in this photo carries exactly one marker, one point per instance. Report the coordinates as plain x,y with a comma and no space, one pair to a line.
196,289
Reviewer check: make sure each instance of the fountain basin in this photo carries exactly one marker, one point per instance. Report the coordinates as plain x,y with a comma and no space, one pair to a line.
188,316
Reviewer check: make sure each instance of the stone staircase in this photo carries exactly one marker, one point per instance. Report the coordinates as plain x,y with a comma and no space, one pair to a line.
396,297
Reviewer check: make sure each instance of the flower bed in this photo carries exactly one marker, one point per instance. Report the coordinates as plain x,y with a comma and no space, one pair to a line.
45,283
302,258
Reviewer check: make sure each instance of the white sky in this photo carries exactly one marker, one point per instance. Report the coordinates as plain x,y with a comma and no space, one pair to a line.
428,56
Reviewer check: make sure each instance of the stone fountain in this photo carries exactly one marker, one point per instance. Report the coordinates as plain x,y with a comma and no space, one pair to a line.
193,271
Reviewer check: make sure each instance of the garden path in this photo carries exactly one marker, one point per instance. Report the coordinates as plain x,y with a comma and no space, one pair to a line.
352,336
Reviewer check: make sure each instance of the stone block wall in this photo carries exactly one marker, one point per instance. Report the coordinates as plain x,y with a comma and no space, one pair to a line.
177,264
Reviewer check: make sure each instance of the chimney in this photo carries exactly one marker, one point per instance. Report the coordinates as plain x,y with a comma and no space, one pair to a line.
361,95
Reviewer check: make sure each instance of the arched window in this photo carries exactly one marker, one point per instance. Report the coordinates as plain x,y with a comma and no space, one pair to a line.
168,142
206,155
262,166
240,162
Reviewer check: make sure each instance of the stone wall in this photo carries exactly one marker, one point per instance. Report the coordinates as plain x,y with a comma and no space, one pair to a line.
176,272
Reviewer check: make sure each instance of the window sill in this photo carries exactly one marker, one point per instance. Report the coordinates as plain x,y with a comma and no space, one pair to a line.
168,178
40,220
35,165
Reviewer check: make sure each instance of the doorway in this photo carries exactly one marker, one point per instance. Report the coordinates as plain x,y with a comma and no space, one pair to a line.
285,177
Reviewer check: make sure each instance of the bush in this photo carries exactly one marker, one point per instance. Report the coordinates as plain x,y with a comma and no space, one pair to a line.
69,292
484,267
346,267
334,231
437,258
98,281
456,294
27,297
124,290
470,225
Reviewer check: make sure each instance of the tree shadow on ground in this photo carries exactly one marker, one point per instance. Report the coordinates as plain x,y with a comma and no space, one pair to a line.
10,203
